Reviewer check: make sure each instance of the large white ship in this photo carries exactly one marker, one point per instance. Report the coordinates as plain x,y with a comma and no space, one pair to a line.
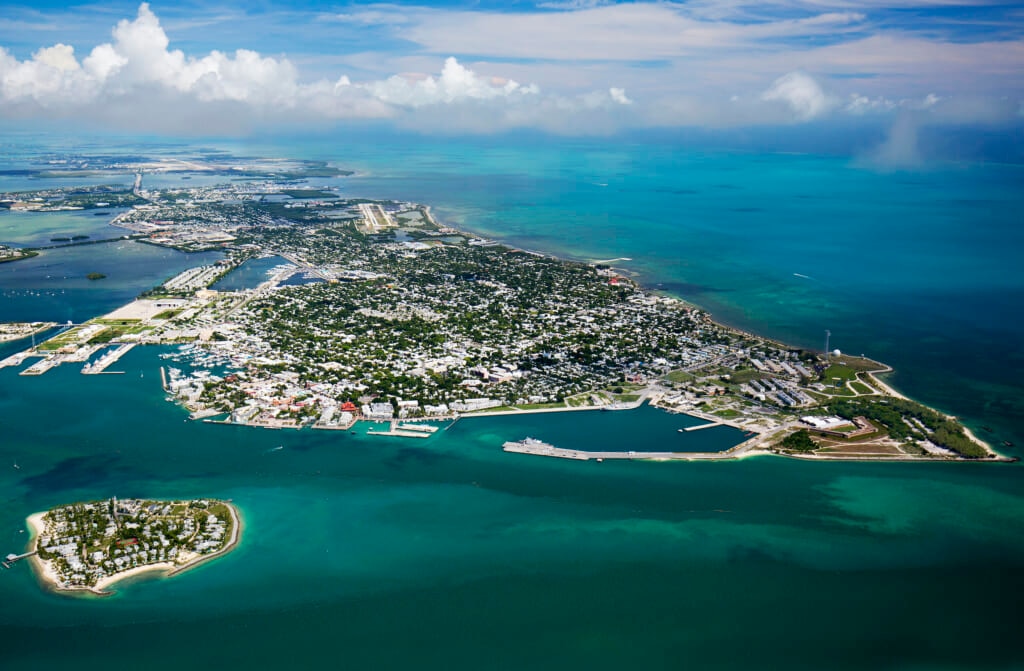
528,443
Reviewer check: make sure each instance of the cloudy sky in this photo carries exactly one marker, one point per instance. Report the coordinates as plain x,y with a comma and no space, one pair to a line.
566,66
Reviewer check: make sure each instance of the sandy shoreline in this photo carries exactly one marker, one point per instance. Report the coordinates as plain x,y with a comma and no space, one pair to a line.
889,391
51,581
236,534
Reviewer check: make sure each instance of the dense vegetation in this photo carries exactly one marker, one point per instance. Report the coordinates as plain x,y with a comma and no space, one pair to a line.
922,423
800,441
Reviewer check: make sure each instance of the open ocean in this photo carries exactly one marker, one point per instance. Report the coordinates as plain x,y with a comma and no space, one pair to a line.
363,552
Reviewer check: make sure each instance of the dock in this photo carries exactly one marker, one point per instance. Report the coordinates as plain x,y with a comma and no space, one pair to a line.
19,358
111,357
544,450
41,366
425,428
399,433
81,354
12,558
710,425
406,430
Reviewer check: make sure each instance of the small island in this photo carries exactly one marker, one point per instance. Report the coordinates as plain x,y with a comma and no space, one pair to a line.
95,276
87,547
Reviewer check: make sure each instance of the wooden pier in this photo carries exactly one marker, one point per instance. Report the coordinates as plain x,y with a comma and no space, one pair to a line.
12,558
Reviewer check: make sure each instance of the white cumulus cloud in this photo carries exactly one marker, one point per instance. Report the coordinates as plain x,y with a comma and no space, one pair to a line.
138,78
619,96
801,93
456,82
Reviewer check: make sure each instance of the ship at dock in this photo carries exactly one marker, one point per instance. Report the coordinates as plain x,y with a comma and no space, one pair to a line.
527,444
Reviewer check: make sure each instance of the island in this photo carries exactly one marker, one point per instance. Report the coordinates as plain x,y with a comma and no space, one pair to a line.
372,310
95,276
18,330
90,546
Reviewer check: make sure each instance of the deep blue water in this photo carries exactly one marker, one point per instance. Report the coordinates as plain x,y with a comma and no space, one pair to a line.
919,269
449,553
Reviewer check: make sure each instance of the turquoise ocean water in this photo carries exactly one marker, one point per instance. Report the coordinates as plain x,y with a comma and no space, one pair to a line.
448,553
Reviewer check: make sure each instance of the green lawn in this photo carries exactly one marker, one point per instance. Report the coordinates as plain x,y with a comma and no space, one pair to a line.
840,371
861,388
742,376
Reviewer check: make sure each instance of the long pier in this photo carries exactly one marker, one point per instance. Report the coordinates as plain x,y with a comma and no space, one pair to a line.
583,455
12,558
399,433
710,425
423,428
101,364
